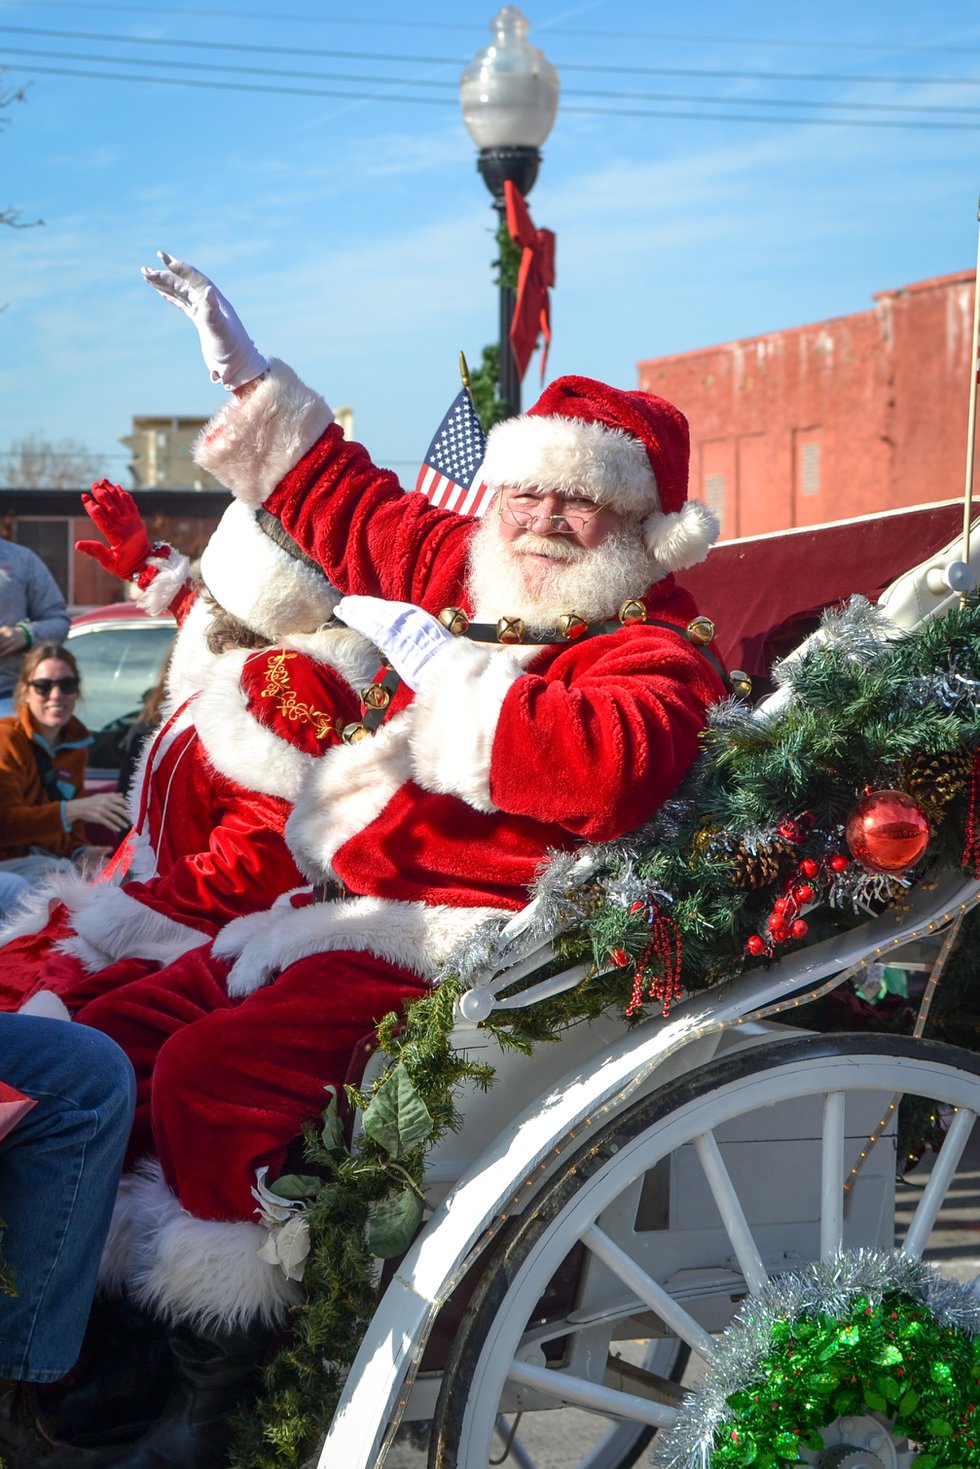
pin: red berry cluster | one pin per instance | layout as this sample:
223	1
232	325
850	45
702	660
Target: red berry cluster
785	923
662	952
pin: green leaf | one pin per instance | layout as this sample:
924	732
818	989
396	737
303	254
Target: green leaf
394	1225
908	1403
295	1186
889	1388
396	1117
875	1401
332	1133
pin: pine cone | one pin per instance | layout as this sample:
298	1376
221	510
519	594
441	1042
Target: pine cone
760	867
935	780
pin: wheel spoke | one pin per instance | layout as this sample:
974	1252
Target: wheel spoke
649	1291
579	1392
731	1211
935	1191
832	1176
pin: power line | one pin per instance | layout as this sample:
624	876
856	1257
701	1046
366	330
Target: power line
353	96
386	23
700	99
401	59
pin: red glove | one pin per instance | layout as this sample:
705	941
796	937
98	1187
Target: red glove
114	511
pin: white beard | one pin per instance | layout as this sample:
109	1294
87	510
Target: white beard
593	582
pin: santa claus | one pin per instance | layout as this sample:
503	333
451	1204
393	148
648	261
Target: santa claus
547	684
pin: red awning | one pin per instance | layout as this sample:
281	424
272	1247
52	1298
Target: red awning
766	593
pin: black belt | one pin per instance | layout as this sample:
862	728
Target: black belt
377	696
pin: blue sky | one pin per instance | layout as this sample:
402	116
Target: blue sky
354	235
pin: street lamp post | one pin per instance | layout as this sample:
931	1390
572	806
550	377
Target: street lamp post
509	96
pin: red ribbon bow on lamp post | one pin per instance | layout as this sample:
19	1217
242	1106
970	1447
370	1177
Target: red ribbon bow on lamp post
535	277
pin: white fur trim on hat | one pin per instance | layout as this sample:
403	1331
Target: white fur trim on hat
603	464
261	584
252	441
682	538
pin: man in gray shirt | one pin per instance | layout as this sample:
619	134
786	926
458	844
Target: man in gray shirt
32	610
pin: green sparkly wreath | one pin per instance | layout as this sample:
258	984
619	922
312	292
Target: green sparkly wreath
865	1334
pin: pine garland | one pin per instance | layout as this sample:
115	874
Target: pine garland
857	709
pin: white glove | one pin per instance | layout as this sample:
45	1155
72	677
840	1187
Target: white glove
230	354
408	637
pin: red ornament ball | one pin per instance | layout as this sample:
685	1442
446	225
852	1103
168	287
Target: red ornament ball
809	868
755	944
803	893
887	831
799	928
838	862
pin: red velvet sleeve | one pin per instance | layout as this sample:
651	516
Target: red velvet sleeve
245	867
368	535
598	749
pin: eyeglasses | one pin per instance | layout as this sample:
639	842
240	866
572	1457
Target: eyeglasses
570	521
43	686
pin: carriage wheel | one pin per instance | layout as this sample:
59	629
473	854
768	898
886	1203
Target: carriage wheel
672	1213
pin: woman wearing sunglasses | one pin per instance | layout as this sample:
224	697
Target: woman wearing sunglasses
43	755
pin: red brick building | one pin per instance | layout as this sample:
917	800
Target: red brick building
842	418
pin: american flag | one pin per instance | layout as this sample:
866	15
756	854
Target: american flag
450	473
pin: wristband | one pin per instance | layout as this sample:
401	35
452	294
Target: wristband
28	635
148	572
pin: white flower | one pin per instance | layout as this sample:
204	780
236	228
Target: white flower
288	1246
272	1209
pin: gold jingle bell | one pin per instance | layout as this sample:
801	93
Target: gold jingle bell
701	630
741	683
632	611
510	630
455	619
376	696
572	625
353	732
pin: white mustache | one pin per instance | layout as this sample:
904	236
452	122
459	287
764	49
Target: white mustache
531	544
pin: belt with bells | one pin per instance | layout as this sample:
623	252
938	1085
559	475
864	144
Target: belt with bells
571	628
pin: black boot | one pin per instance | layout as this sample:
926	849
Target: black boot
216	1372
24	1442
120	1384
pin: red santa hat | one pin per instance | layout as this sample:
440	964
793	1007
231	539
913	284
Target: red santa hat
258	574
627	450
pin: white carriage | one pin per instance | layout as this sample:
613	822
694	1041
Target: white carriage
610	1201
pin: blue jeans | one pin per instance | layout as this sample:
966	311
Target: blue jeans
59	1167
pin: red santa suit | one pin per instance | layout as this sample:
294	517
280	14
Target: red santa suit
213	789
434	823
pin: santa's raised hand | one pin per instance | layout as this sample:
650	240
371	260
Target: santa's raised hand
230	355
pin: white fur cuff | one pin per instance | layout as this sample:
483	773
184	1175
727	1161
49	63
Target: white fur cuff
196	1272
456	714
253	441
173	573
121	927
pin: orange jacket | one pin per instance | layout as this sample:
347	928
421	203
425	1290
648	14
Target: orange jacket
28	815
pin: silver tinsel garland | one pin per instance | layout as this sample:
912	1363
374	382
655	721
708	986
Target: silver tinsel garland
856	628
826	1286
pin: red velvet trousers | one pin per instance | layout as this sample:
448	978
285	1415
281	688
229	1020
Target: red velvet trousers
224	1086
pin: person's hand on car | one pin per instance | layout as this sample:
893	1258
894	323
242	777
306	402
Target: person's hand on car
109	808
